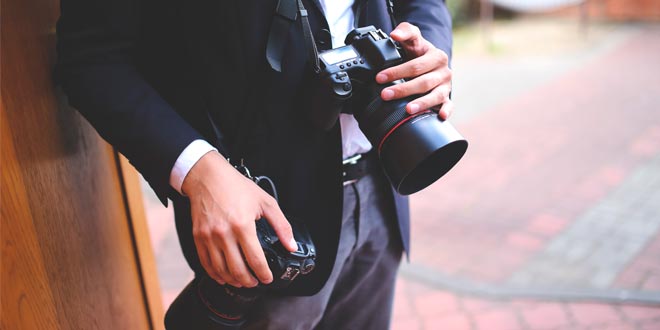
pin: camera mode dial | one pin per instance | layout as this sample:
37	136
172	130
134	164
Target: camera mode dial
341	84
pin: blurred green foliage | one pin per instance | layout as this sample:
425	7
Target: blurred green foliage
463	11
467	11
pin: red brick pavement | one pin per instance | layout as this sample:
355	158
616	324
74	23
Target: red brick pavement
419	307
644	271
534	164
537	162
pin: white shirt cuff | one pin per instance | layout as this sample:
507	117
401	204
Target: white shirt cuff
187	159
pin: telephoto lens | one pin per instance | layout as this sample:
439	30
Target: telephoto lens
414	150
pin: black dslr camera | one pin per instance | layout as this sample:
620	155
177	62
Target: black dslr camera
206	305
285	265
415	150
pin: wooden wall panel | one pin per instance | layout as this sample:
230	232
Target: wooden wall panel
140	228
29	303
70	256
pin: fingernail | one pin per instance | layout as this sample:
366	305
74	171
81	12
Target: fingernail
413	108
381	78
388	94
293	243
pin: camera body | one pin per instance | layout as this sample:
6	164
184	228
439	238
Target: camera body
414	150
367	52
285	265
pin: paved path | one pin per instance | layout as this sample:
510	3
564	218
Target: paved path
544	167
554	214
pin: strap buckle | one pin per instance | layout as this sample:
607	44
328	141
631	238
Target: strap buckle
352	160
346	183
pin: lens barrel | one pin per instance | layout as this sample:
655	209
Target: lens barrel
206	305
414	150
419	151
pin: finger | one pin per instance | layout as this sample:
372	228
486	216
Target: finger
201	238
410	37
436	97
209	241
411	69
205	260
419	85
446	110
217	264
254	255
416	67
220	266
237	267
271	211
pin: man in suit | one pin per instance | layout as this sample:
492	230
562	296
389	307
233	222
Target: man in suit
170	82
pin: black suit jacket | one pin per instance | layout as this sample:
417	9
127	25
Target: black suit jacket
148	74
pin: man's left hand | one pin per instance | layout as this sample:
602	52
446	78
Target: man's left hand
427	73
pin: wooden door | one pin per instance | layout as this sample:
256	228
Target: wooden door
75	250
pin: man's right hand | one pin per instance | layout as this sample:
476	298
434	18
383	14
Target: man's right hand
224	206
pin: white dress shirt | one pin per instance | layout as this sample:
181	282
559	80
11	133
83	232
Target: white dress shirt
340	17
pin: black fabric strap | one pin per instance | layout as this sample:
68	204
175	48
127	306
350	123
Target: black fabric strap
285	13
309	38
390	10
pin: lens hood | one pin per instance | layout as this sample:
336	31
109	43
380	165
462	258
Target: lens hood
419	150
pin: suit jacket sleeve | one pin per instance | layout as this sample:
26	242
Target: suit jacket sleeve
96	66
431	16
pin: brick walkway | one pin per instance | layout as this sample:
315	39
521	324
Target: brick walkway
559	193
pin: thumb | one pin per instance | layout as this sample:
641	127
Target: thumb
280	224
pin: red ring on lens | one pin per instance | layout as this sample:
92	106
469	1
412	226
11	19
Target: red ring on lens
380	145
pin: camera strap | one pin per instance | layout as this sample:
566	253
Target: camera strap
286	13
312	51
390	10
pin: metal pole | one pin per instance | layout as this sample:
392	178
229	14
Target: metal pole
486	16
